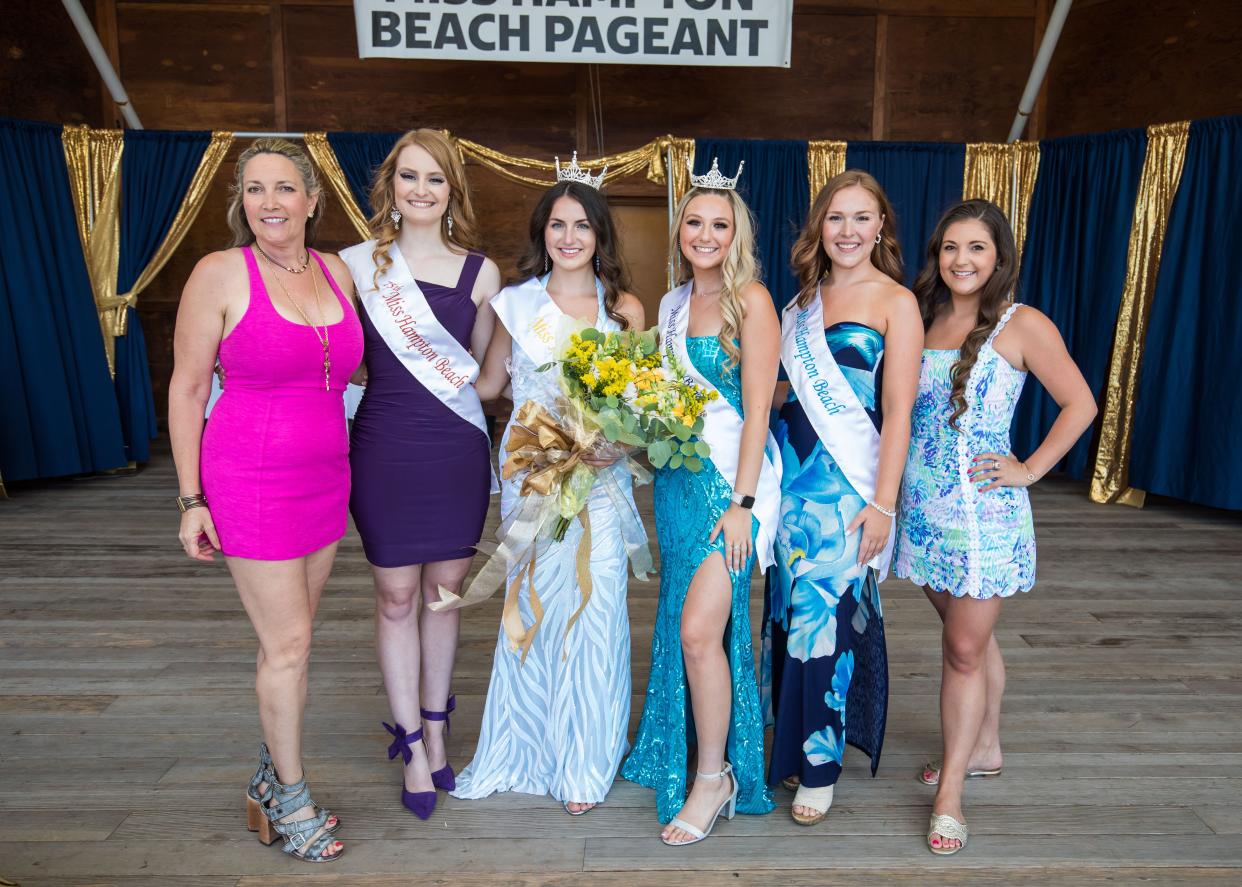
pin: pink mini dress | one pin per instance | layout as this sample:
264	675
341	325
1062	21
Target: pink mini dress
274	460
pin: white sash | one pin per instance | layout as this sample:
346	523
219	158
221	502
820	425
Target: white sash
400	314
834	410
722	425
531	317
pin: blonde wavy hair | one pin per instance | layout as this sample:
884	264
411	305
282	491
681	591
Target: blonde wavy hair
238	226
811	262
740	268
465	234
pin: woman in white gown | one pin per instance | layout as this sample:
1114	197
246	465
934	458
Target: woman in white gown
556	718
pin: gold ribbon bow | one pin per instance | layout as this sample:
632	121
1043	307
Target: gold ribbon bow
539	445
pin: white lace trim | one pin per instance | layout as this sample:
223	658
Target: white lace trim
970	493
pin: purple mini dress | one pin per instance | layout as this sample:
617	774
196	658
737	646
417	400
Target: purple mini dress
421	473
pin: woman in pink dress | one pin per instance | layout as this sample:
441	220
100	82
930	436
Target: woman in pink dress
267	482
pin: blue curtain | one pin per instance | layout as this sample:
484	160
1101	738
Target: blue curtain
58	412
774	185
922	180
1188	417
156	171
1074	265
359	153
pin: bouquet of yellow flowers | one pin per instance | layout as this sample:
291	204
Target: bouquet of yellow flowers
619	382
616	395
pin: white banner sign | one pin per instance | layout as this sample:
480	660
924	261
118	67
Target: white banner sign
649	32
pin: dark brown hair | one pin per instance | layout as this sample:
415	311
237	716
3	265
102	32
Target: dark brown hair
933	293
611	271
811	262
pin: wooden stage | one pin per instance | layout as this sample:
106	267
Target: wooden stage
128	726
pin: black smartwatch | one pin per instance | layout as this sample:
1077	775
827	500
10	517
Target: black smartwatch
744	501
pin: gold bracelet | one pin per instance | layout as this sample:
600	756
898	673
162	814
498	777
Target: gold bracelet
196	500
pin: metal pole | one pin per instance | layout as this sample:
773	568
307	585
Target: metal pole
91	40
668	174
1046	47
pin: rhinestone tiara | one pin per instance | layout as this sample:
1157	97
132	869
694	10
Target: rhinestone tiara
713	179
575	173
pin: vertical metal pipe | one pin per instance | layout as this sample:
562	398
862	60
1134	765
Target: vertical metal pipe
91	40
668	175
1040	68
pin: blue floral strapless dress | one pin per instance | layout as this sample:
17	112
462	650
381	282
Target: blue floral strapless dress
687	506
825	662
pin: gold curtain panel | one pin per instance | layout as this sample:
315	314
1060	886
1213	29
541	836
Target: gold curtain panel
1005	175
824	159
93	157
1162	172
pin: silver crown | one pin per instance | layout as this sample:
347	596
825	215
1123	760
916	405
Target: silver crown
714	179
575	173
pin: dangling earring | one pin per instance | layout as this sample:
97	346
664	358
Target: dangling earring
311	214
597	263
547	262
879	237
448	221
395	215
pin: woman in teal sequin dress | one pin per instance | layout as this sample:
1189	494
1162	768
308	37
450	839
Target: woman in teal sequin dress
701	690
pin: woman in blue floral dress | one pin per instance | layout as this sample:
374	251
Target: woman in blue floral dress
719	328
825	660
965	531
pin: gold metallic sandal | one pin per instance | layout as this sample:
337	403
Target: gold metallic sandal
947	827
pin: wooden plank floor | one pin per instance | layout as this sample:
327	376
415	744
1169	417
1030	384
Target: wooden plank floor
128	723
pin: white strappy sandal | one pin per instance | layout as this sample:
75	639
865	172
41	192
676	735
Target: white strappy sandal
728	808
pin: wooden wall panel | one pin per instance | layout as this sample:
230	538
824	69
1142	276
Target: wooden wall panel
525	108
45	73
198	65
1122	64
955	78
825	94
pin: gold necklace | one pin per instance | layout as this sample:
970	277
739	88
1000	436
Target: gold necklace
301	270
323	340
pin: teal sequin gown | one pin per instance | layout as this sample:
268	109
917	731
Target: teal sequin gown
687	506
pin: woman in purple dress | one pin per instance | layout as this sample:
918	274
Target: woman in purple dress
420	453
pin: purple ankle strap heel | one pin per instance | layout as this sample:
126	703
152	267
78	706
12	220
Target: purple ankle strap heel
421	804
443	778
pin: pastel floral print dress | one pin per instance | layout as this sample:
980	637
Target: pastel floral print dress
951	537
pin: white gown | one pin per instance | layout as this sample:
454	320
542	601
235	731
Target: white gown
556	724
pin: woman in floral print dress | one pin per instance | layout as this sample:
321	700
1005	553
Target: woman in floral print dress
965	531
